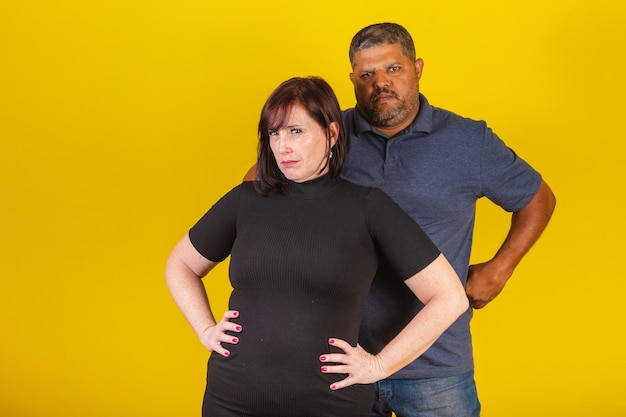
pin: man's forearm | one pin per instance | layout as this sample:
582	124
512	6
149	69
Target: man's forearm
527	225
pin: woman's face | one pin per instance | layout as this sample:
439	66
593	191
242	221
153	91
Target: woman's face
300	147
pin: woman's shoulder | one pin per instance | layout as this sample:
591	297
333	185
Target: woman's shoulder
364	190
367	197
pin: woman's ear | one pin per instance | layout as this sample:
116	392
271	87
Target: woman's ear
333	130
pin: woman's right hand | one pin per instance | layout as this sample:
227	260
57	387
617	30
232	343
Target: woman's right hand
213	337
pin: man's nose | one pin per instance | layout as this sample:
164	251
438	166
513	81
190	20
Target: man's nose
381	79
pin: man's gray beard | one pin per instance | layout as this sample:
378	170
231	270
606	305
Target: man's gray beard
389	118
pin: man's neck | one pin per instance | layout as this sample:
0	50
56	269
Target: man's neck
391	131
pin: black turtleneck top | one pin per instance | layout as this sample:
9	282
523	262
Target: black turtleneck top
301	265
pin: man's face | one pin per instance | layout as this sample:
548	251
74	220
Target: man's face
386	86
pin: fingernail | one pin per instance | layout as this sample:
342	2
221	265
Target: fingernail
322	358
235	340
324	369
235	313
333	387
227	353
331	341
238	328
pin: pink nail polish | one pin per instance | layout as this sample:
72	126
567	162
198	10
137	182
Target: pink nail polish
238	328
227	353
235	313
333	387
324	369
235	340
322	358
331	341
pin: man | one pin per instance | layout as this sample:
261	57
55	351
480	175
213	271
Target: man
435	165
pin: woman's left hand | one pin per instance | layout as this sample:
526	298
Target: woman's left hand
361	366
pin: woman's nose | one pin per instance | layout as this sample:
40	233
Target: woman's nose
283	145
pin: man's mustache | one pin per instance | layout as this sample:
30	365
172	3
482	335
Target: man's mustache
377	94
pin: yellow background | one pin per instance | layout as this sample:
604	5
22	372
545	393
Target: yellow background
121	122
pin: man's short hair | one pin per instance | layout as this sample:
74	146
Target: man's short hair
380	34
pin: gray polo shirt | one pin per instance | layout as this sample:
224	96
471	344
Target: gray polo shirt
435	170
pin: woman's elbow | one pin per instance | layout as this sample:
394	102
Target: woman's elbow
463	304
460	302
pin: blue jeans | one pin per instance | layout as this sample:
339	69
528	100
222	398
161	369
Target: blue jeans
436	397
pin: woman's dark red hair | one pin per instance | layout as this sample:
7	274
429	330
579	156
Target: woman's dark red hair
317	97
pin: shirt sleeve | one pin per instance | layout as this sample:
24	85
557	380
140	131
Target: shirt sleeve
506	179
401	240
214	234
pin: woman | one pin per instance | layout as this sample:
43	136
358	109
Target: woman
304	247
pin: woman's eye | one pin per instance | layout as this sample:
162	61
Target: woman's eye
272	133
295	131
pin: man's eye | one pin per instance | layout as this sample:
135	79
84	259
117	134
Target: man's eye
394	69
366	75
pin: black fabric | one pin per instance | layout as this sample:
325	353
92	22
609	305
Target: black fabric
301	266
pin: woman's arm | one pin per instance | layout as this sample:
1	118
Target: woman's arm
440	289
184	272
